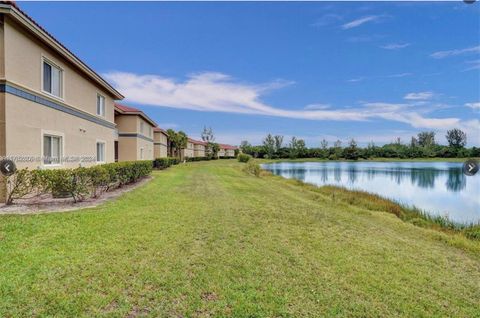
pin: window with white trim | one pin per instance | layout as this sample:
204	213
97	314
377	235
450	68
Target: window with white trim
142	128
100	105
100	151
52	79
141	153
52	149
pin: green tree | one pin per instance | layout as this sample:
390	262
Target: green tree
207	135
269	145
426	139
278	143
456	138
324	148
351	152
177	142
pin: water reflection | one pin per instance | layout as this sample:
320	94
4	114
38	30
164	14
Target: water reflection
437	186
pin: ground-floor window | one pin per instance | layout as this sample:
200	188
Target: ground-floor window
100	151
141	153
52	149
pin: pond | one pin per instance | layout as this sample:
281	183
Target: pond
439	188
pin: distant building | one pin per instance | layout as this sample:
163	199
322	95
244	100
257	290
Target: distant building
160	143
135	134
227	150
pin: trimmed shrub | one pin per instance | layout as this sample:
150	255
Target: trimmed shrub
77	183
243	157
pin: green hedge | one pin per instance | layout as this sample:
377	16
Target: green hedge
189	159
163	163
77	183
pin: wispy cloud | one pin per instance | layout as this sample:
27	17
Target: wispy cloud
395	46
399	75
360	21
444	54
327	19
363	78
419	96
318	106
356	79
216	92
473	105
474	65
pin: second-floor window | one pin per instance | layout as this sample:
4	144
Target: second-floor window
100	105
52	79
142	128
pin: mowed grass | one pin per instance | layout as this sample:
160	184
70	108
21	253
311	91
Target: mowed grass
205	239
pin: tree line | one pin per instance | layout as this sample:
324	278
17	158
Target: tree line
178	141
423	145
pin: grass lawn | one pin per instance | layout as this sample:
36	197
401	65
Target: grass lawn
205	239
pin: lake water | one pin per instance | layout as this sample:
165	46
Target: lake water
438	188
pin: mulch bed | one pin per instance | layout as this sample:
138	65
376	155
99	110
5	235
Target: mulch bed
46	203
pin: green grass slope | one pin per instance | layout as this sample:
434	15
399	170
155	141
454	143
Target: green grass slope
205	239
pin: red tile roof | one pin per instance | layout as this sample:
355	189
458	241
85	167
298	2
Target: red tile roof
227	147
102	81
127	110
197	142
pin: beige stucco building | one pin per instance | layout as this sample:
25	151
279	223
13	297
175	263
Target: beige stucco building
199	148
55	111
135	134
160	143
226	150
188	152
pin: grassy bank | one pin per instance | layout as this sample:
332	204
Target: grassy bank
205	239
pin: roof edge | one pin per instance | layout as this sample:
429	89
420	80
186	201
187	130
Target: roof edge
18	15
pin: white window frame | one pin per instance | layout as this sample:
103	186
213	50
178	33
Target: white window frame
62	147
44	59
102	111
142	127
98	141
142	153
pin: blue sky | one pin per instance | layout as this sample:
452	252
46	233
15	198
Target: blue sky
372	71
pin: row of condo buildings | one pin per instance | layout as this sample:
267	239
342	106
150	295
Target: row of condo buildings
56	111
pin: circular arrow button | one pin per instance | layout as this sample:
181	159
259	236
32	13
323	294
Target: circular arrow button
470	167
7	167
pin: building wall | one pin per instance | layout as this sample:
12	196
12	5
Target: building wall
160	148
131	140
199	151
230	153
188	152
23	66
27	121
29	112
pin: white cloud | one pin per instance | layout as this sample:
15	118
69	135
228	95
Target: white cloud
213	92
474	65
395	46
473	105
444	54
216	92
359	22
399	75
357	79
419	96
168	125
317	106
326	19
